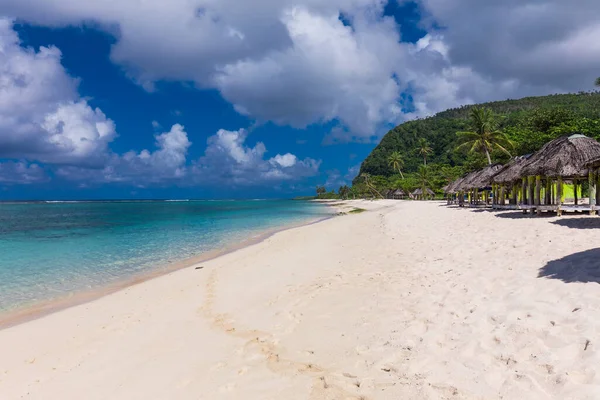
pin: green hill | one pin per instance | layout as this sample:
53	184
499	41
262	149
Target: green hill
529	123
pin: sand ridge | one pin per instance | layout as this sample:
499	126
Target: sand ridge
410	300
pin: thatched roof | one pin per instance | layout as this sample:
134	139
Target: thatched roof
512	170
484	178
478	179
462	183
453	187
419	192
567	156
398	192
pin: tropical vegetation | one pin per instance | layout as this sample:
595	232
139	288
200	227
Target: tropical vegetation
459	140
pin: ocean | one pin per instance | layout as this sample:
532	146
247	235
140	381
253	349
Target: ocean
51	250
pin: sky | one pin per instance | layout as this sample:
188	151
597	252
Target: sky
107	99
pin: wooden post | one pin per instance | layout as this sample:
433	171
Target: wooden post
548	192
597	174
559	190
515	189
524	191
592	181
538	189
530	190
575	191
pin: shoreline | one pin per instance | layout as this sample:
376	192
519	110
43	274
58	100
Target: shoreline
47	307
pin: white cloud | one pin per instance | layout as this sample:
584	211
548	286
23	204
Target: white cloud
166	164
295	63
287	160
42	117
21	173
292	62
229	160
329	72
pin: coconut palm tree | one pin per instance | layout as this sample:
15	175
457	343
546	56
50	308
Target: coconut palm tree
598	81
344	191
367	178
424	179
396	162
424	149
484	136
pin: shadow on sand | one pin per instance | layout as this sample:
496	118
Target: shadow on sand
579	223
578	267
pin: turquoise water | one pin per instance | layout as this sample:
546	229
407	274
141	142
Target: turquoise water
51	250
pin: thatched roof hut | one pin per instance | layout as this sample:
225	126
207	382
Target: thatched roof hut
454	187
567	157
484	178
398	192
479	179
419	192
462	183
511	171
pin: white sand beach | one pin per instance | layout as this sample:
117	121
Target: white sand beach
409	300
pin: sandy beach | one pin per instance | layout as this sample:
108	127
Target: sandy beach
409	300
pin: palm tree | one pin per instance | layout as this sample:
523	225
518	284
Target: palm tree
597	81
396	162
424	149
484	136
343	191
321	191
367	178
423	179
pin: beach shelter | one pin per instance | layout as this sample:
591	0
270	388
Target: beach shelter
508	180
570	157
477	183
398	194
421	194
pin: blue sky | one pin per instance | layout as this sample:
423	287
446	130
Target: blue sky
125	103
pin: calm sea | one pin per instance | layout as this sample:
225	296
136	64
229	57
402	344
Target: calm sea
50	250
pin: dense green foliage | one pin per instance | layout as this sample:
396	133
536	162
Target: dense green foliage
528	123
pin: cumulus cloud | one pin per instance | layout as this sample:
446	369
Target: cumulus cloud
21	173
296	63
291	62
539	42
229	160
165	164
42	117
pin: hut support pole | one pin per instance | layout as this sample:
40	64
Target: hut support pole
575	191
548	192
592	181
538	192
515	189
597	173
559	190
524	192
530	191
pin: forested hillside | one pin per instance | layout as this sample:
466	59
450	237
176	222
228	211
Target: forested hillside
529	123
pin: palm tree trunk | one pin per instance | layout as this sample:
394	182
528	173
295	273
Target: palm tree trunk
401	175
487	154
425	160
